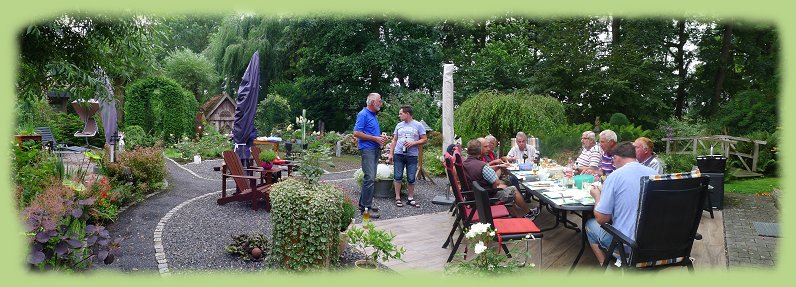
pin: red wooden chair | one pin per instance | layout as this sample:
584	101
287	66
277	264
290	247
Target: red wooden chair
466	213
505	228
249	189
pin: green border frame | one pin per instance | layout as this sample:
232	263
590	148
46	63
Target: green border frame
15	16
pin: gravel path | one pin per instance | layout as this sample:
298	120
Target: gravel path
195	230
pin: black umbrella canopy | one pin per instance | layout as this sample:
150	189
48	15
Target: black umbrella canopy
248	92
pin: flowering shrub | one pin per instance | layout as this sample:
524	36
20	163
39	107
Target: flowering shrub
487	261
144	167
348	144
106	207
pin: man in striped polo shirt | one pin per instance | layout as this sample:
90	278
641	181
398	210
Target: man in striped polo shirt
607	144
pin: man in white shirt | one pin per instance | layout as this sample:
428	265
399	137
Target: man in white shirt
522	152
645	156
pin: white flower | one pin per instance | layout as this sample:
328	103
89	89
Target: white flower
492	233
469	234
479	247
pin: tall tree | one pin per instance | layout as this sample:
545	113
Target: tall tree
65	53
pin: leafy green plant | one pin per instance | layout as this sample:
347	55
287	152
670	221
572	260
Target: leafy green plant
306	224
311	161
674	163
488	262
378	241
243	244
32	169
267	155
432	162
349	211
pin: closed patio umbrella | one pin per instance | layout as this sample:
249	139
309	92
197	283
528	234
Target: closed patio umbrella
246	108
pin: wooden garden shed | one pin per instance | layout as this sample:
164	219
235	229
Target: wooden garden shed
220	112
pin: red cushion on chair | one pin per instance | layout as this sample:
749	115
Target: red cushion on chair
515	226
498	211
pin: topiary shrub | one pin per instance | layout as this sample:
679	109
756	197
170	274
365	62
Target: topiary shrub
618	119
562	138
627	132
434	139
306	224
135	136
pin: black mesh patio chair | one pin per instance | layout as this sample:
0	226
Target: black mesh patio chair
48	139
670	209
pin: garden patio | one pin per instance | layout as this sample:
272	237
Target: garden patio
193	230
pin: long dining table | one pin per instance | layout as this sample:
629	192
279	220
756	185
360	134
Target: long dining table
559	202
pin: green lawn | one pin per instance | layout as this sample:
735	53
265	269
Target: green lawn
752	186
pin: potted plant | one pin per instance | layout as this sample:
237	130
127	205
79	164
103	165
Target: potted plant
379	241
267	157
26	132
346	220
488	260
383	185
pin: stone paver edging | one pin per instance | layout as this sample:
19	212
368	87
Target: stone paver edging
160	254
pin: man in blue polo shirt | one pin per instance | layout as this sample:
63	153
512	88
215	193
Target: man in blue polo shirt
617	201
370	142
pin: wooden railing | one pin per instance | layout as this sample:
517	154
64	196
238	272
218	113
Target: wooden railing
727	147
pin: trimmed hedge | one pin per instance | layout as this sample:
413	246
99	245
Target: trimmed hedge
161	107
306	224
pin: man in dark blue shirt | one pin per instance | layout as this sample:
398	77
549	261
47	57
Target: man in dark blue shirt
370	141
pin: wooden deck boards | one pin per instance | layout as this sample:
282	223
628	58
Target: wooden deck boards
422	236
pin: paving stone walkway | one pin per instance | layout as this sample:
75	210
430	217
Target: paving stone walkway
745	249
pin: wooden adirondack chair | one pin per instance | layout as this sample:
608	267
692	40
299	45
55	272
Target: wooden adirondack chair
249	189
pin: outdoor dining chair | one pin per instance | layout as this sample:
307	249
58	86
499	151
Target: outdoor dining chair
466	214
506	229
670	209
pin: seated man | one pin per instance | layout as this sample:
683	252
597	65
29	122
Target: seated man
523	152
618	199
478	171
607	143
488	157
590	153
645	156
